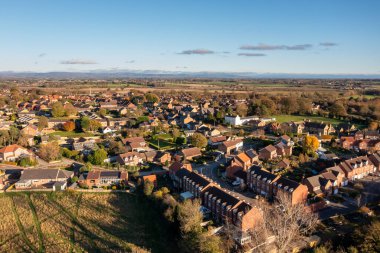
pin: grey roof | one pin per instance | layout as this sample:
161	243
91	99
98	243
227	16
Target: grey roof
38	174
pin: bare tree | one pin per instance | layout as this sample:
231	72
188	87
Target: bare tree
287	222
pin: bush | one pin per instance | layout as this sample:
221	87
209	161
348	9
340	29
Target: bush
26	162
74	179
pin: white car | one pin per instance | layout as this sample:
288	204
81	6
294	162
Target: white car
236	183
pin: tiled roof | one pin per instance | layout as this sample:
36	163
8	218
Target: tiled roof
191	151
36	174
10	148
223	196
198	179
269	148
256	170
287	182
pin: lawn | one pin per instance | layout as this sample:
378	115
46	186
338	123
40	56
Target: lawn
167	137
82	222
72	134
287	118
161	144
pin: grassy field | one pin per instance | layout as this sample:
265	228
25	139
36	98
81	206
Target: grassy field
363	96
82	222
72	134
287	118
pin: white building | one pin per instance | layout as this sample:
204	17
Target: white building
238	121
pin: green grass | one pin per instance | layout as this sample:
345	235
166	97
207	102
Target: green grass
163	145
166	137
72	134
363	96
287	118
83	222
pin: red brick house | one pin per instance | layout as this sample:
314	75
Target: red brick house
375	159
319	185
224	207
228	147
357	168
268	153
340	175
269	185
261	181
101	178
296	192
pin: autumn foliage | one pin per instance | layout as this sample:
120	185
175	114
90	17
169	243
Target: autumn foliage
69	126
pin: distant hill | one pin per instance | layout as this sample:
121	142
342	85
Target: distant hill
109	74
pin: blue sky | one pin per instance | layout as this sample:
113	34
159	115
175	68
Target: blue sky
265	36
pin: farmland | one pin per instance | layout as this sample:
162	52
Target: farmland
81	222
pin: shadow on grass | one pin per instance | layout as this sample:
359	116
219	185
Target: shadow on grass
141	224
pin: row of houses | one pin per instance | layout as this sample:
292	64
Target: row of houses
223	205
331	179
269	185
366	141
58	179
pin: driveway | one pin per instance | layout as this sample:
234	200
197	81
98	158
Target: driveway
336	209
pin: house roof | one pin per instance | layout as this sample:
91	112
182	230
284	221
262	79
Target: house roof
176	166
287	182
269	148
110	174
232	143
284	163
251	153
223	196
336	170
34	174
375	158
182	173
258	171
243	157
191	151
218	139
198	179
151	178
133	139
132	153
11	148
349	165
329	175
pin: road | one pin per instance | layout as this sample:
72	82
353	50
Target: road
210	170
370	193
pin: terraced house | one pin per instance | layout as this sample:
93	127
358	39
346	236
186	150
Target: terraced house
224	207
269	185
357	168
